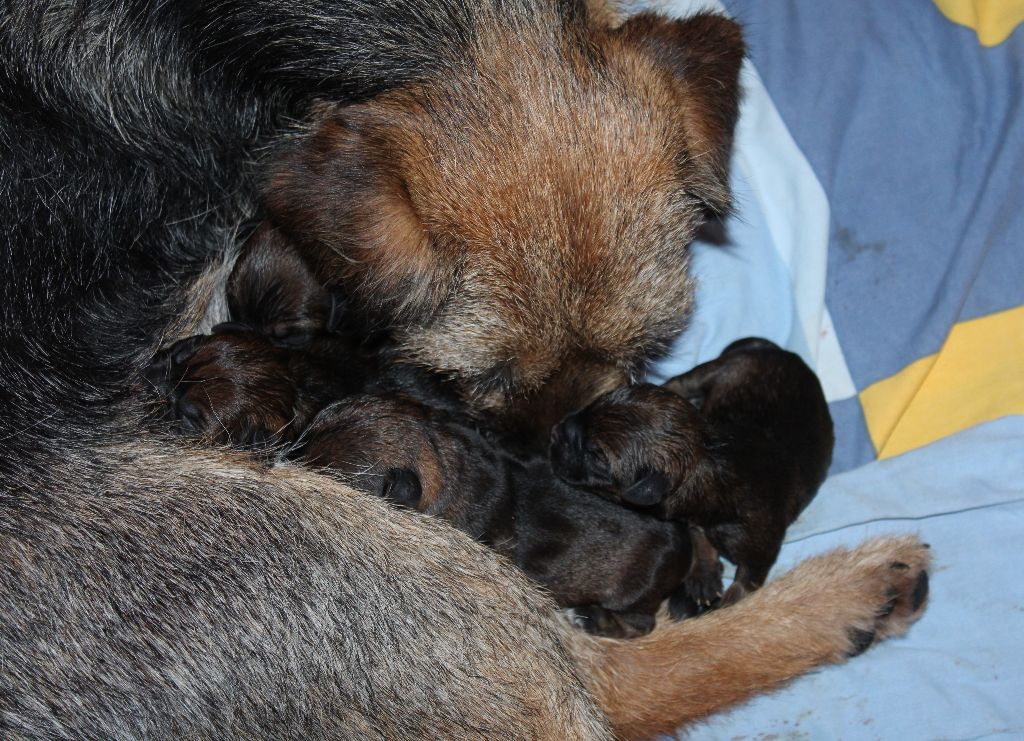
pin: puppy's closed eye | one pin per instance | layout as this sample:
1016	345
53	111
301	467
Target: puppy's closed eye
651	489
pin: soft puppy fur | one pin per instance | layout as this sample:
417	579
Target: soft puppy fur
258	380
236	387
612	565
272	291
737	446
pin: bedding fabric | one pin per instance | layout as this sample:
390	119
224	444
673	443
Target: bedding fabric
879	232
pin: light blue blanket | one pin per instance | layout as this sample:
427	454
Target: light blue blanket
879	232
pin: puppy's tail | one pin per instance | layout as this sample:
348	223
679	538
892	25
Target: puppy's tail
825	610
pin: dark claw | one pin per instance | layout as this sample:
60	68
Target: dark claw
920	592
860	640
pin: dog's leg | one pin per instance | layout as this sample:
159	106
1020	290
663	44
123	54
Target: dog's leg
823	611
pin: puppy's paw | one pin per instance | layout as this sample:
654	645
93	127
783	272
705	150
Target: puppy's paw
701	590
164	373
848	600
166	385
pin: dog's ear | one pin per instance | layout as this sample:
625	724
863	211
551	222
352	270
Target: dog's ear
402	486
338	191
651	489
704	54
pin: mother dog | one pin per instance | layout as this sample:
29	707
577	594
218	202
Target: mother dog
505	186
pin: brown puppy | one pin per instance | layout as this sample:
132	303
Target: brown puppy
236	387
737	446
258	379
612	565
520	219
273	292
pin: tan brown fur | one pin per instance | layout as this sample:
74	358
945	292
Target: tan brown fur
520	223
370	435
155	589
823	611
795	623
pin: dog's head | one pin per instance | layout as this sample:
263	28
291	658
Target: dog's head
379	445
521	222
230	388
273	292
635	445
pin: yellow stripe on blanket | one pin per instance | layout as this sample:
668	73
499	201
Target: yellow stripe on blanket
992	20
977	376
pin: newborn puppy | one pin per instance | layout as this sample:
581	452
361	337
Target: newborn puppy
236	387
273	292
259	378
612	565
737	446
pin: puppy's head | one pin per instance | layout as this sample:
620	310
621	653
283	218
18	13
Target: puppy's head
379	445
635	445
273	291
231	389
521	221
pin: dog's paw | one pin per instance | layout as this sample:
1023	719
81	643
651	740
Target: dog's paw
894	574
849	599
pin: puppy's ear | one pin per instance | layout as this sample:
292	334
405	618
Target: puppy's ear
340	193
704	54
272	290
402	486
649	490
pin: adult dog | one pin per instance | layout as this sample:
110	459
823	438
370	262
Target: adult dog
149	589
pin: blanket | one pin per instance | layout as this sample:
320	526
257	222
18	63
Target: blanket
879	232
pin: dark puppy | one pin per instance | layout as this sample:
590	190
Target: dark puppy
258	380
613	565
236	387
272	291
738	446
